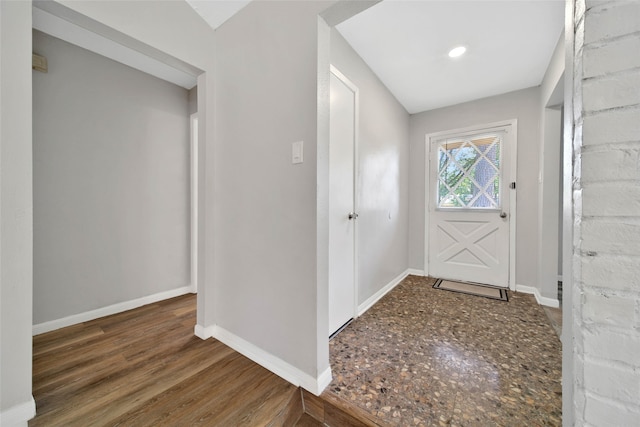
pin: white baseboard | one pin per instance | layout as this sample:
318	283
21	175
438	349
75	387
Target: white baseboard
276	365
415	272
382	292
52	325
324	379
549	302
203	332
18	415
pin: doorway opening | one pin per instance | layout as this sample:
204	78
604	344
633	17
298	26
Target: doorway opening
129	183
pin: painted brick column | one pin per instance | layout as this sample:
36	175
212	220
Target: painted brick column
606	255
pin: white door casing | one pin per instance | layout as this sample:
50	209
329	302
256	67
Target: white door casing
471	219
342	203
194	202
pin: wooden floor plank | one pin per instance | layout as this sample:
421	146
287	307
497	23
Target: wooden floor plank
75	334
98	367
172	404
130	383
144	367
262	397
139	390
119	318
307	420
217	406
96	349
290	415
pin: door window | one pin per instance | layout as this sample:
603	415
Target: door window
469	172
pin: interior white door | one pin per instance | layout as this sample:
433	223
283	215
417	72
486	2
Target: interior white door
469	207
342	222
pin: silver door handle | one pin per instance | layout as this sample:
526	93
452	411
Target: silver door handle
503	214
352	215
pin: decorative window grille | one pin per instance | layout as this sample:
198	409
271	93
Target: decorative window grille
469	172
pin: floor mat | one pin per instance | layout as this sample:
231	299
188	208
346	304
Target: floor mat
472	289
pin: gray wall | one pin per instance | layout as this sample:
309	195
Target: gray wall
383	174
266	216
16	403
111	183
523	105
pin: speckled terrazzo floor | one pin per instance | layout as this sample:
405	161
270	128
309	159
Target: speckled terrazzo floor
423	356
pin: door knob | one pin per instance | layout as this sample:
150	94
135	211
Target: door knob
352	215
503	214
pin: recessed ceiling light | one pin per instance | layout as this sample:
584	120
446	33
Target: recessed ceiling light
457	51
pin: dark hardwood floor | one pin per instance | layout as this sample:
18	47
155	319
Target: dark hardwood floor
145	367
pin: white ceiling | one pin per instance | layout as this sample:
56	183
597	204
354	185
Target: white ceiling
509	45
405	42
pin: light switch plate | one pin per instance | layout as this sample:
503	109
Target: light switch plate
297	149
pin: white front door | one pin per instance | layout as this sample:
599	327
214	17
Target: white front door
342	221
469	207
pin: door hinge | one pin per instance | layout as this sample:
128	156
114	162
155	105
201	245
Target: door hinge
39	63
512	185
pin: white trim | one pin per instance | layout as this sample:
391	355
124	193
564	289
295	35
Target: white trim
549	302
415	272
324	379
427	201
356	203
510	125
513	208
18	415
382	292
76	34
472	130
203	332
108	310
276	365
194	200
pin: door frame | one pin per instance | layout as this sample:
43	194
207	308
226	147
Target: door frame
193	142
511	124
356	138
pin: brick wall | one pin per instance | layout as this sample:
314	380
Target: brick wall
606	264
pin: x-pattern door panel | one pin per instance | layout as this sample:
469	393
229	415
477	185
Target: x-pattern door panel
469	250
479	244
